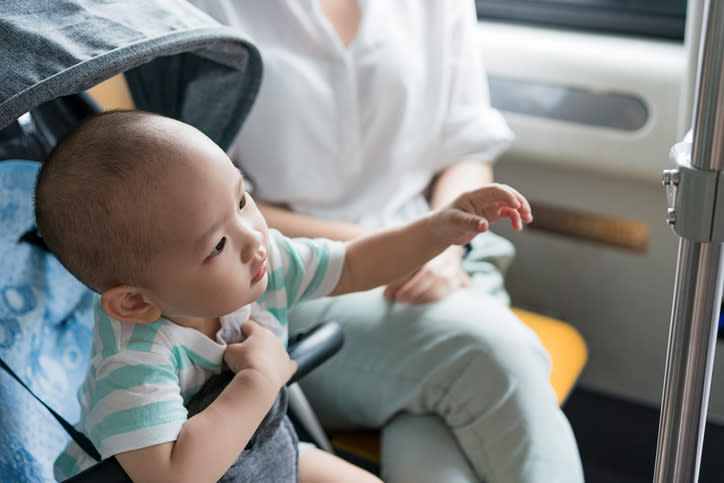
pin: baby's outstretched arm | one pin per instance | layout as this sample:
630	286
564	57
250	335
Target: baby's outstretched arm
481	207
389	254
210	441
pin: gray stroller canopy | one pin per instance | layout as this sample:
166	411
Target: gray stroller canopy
178	61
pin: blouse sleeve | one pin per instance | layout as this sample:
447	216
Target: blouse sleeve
473	130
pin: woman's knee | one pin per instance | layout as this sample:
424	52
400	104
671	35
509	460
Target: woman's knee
475	361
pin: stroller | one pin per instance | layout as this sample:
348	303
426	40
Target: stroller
178	62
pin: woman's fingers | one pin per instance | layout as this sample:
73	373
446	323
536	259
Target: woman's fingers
392	288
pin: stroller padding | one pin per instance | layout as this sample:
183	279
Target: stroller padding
45	334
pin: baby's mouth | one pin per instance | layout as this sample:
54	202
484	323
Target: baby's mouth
260	272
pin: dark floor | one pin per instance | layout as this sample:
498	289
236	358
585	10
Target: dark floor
617	440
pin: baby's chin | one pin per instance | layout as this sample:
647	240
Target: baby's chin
259	287
256	292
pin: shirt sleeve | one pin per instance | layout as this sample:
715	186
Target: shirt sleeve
311	267
136	403
473	130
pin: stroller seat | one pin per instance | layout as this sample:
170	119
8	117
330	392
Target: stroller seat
45	333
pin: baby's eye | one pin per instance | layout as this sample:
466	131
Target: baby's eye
242	202
218	248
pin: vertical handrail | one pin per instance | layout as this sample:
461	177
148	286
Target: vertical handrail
692	39
698	286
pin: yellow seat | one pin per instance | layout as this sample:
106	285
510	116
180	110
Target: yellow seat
566	347
112	94
563	342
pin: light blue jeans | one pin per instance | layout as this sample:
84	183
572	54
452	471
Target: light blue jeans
459	387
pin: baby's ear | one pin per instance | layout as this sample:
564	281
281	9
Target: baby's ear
129	304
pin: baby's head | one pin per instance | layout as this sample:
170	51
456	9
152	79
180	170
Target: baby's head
152	214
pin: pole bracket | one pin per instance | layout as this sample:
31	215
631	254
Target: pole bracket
692	201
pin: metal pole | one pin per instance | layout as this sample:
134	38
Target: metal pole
698	286
692	38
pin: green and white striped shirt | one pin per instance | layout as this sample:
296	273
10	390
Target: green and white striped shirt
141	376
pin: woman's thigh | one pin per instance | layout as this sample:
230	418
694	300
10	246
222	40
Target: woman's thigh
399	357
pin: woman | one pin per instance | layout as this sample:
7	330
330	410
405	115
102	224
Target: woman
370	113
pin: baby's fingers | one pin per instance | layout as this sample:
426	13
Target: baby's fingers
473	223
498	193
251	327
520	204
525	211
486	201
515	217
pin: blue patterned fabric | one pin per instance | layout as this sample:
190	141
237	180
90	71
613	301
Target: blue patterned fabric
45	334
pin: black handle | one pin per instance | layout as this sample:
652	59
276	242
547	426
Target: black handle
107	471
314	346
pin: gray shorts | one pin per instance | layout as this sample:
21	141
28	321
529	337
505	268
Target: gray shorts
272	453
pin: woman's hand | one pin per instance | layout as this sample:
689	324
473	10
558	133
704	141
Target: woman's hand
437	279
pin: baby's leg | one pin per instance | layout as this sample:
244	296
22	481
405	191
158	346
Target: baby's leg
317	466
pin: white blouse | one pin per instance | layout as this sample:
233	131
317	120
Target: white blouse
356	133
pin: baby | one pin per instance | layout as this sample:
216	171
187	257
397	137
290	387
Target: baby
152	215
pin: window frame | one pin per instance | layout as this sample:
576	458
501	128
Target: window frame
644	18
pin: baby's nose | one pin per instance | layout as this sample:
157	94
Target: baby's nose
251	242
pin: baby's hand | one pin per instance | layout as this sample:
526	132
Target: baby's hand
261	351
473	212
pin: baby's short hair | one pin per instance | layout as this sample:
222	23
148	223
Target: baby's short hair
89	197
